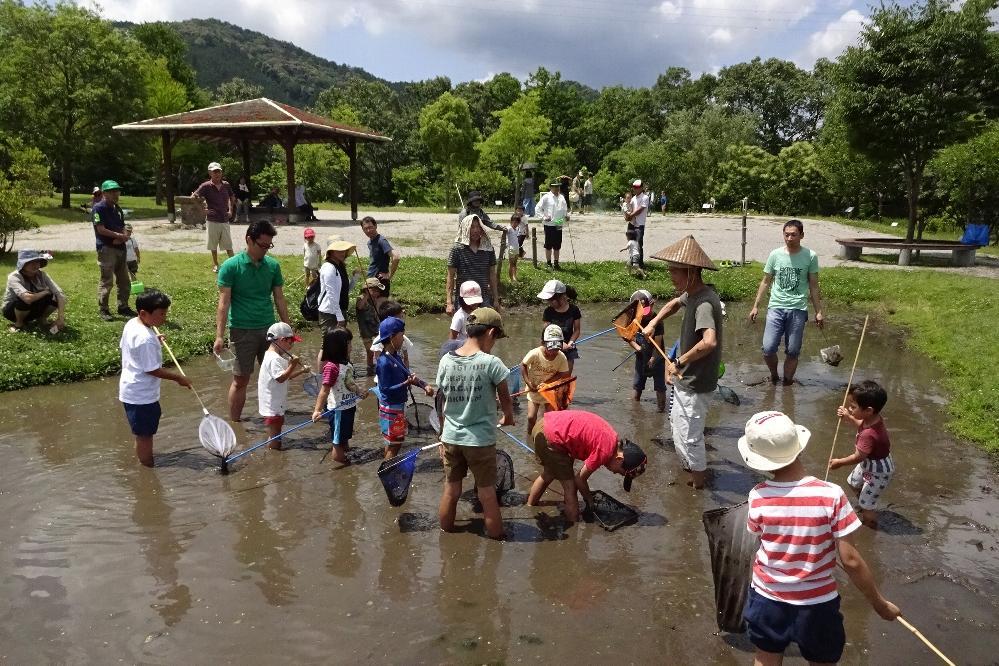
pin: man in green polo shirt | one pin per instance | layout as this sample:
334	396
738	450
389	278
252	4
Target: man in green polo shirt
247	284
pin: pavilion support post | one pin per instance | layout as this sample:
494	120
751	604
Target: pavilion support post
168	175
244	151
354	193
289	164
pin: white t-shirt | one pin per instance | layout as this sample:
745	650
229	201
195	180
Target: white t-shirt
272	396
634	251
131	245
513	236
588	187
329	293
312	254
407	344
141	354
458	323
640	200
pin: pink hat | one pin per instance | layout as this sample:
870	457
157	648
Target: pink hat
309	232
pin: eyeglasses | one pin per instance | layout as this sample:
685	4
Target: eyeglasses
263	246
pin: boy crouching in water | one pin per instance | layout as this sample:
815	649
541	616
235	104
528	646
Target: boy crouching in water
142	369
805	524
471	379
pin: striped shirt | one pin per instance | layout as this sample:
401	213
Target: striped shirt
798	523
475	266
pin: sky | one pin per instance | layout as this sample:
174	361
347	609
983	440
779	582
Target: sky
596	42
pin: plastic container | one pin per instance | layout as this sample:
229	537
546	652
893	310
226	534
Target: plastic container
226	360
137	288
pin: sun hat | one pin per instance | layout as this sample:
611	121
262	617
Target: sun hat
553	337
551	288
686	252
486	317
772	441
373	282
637	182
470	292
110	185
214	166
475	195
389	327
281	331
633	464
338	245
309	232
25	257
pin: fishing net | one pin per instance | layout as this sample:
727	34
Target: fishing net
610	513
396	476
732	548
558	393
628	322
418	416
217	436
311	385
504	472
513	380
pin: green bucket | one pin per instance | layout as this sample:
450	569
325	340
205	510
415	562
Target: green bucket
138	288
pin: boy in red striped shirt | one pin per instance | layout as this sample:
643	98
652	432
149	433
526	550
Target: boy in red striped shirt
803	525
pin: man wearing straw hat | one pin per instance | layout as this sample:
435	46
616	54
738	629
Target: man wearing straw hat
695	375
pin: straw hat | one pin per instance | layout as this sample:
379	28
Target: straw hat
686	252
340	245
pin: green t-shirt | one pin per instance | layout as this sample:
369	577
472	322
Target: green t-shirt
469	387
252	284
790	272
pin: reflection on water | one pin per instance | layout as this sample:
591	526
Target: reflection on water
293	558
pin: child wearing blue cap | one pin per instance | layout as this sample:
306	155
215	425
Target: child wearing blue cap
393	378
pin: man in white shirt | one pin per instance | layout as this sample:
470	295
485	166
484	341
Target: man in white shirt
636	218
588	193
554	212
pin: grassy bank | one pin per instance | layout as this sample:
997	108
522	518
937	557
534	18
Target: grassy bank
48	210
950	318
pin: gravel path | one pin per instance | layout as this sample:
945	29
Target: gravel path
595	237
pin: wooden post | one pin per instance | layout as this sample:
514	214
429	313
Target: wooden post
289	165
244	150
351	150
168	175
534	246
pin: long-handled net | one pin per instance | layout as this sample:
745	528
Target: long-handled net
732	549
558	393
215	434
396	474
628	324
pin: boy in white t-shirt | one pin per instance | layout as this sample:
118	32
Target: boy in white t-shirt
142	369
634	253
513	233
272	384
132	256
470	295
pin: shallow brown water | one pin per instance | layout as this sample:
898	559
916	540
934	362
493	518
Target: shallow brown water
289	560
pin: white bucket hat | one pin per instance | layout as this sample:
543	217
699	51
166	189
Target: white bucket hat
772	441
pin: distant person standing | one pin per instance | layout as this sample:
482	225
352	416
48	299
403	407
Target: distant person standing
588	193
554	211
383	259
111	234
664	202
473	206
577	191
527	191
792	275
636	215
220	204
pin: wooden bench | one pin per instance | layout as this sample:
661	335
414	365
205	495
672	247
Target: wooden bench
961	254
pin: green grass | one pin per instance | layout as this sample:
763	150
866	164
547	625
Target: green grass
948	317
49	212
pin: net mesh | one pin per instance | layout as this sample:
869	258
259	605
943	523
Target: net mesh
628	322
513	379
504	472
311	385
610	513
559	393
418	416
217	436
396	475
732	548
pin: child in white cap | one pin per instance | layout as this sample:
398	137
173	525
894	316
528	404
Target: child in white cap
804	524
272	383
543	364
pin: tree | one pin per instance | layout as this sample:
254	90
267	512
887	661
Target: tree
522	135
161	41
446	129
83	81
23	179
747	172
967	177
237	89
485	98
799	185
560	162
164	96
921	78
560	101
618	114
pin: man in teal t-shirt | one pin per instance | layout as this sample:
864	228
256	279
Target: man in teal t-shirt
248	282
792	275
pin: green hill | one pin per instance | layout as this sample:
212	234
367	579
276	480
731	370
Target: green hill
219	51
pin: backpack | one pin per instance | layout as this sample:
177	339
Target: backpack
309	307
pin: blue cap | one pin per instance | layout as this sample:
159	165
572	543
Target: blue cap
389	327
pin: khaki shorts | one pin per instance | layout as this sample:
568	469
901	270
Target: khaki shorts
218	236
557	463
248	345
480	459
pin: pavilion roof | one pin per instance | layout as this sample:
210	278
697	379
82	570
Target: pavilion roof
259	119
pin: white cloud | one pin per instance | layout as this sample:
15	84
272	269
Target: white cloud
720	35
671	11
831	41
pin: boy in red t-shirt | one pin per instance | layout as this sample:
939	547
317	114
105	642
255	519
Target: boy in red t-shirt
872	457
560	438
803	525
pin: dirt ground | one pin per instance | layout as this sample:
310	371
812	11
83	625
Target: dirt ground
594	237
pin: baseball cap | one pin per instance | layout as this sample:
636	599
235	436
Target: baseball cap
633	464
553	337
551	288
487	317
389	327
637	182
281	331
214	166
772	441
309	232
96	190
470	292
373	282
109	185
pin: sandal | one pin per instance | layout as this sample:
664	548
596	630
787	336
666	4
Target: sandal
15	329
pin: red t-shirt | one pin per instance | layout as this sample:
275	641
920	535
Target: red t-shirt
873	440
583	435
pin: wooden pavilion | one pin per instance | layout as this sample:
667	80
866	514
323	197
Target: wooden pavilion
256	121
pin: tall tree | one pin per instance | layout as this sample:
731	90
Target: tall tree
160	40
521	137
237	89
446	129
922	77
164	95
83	81
560	101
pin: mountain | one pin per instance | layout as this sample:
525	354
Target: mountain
219	51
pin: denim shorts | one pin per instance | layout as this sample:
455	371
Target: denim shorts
143	419
816	628
786	325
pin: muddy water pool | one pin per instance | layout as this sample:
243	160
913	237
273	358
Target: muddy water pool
289	559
